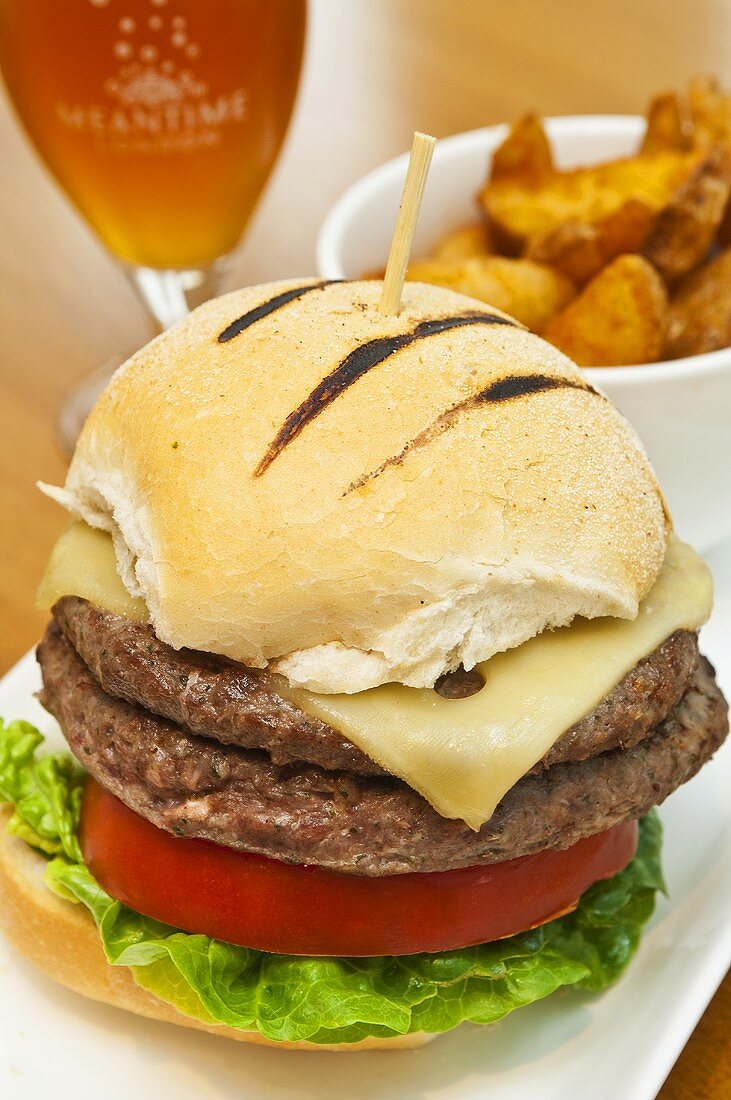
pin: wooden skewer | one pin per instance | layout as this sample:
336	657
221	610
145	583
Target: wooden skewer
408	215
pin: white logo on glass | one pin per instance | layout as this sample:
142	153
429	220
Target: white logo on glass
156	101
150	88
145	83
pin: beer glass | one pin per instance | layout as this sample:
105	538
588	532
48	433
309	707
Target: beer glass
161	120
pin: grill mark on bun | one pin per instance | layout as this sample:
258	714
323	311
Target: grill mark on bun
509	388
266	308
357	363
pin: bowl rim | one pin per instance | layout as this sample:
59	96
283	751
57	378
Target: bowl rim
341	213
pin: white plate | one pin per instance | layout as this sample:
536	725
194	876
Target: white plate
622	1044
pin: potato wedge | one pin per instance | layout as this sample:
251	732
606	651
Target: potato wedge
669	125
530	292
464	242
619	318
695	118
684	231
710	110
723	237
525	156
521	212
580	250
700	311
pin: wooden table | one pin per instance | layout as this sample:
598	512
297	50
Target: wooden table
376	70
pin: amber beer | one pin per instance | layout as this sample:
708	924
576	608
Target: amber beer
160	118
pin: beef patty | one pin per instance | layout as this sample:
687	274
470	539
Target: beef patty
369	825
237	705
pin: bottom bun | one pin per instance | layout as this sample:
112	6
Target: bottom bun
61	939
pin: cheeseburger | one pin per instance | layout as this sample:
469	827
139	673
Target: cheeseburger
374	648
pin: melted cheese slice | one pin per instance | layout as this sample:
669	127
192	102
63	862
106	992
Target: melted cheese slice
83	563
462	755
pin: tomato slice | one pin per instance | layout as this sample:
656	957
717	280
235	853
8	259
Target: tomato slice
261	903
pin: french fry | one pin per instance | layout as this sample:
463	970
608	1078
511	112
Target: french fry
621	231
525	156
530	292
700	311
523	162
464	242
669	125
619	318
521	212
710	111
723	237
580	250
683	232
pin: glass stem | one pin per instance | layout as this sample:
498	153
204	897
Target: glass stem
169	295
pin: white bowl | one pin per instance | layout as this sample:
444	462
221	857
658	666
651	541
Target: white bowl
681	408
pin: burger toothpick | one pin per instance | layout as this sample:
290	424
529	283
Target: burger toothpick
422	150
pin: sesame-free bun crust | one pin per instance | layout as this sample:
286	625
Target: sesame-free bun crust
61	939
417	514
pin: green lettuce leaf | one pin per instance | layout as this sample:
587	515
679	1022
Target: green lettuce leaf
45	790
327	1000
